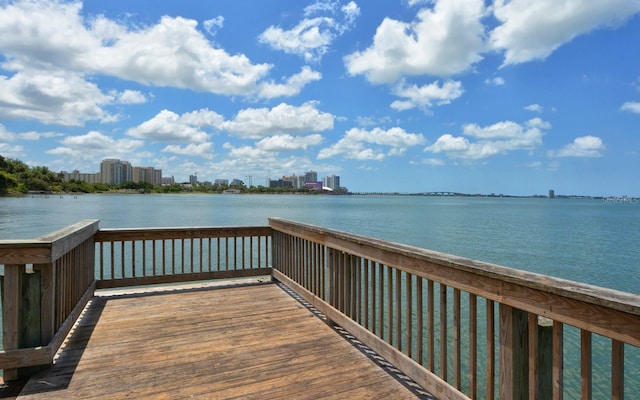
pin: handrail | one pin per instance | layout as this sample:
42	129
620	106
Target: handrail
144	256
40	307
379	285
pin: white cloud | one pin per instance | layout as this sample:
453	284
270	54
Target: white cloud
53	97
52	35
7	136
584	146
426	96
95	145
289	142
537	108
292	86
311	38
499	138
212	25
130	97
631	106
256	123
362	144
204	150
434	162
497	81
532	30
442	41
168	126
9	151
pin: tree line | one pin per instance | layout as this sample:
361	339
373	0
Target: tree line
16	177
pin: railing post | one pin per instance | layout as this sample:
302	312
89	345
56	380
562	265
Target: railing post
11	288
514	363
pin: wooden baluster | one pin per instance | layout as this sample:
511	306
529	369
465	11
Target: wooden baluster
457	359
473	346
586	363
443	332
491	351
617	370
431	330
558	360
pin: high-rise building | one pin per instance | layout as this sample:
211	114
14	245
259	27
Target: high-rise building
332	181
310	177
114	171
222	182
147	174
552	193
193	179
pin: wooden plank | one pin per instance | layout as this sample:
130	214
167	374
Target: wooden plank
242	342
430	381
177	278
165	233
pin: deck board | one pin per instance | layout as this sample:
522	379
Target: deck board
251	341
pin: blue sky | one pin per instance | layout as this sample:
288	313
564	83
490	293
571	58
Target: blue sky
514	97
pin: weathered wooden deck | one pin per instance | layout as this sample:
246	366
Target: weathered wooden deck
249	341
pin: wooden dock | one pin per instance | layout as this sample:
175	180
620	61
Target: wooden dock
247	341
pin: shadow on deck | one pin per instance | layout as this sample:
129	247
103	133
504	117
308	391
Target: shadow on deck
240	341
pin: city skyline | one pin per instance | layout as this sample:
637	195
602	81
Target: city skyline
469	96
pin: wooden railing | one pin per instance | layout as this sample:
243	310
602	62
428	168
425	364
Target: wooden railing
131	257
461	328
47	282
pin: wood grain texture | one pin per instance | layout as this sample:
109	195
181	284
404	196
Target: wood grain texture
233	342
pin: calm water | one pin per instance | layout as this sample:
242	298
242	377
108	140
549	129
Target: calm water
583	240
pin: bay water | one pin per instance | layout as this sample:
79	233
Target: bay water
586	240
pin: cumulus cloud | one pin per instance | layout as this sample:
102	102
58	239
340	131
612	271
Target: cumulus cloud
204	150
289	142
375	144
584	146
130	97
499	138
95	145
444	40
532	30
291	87
312	37
256	123
52	51
168	126
424	97
58	97
631	106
